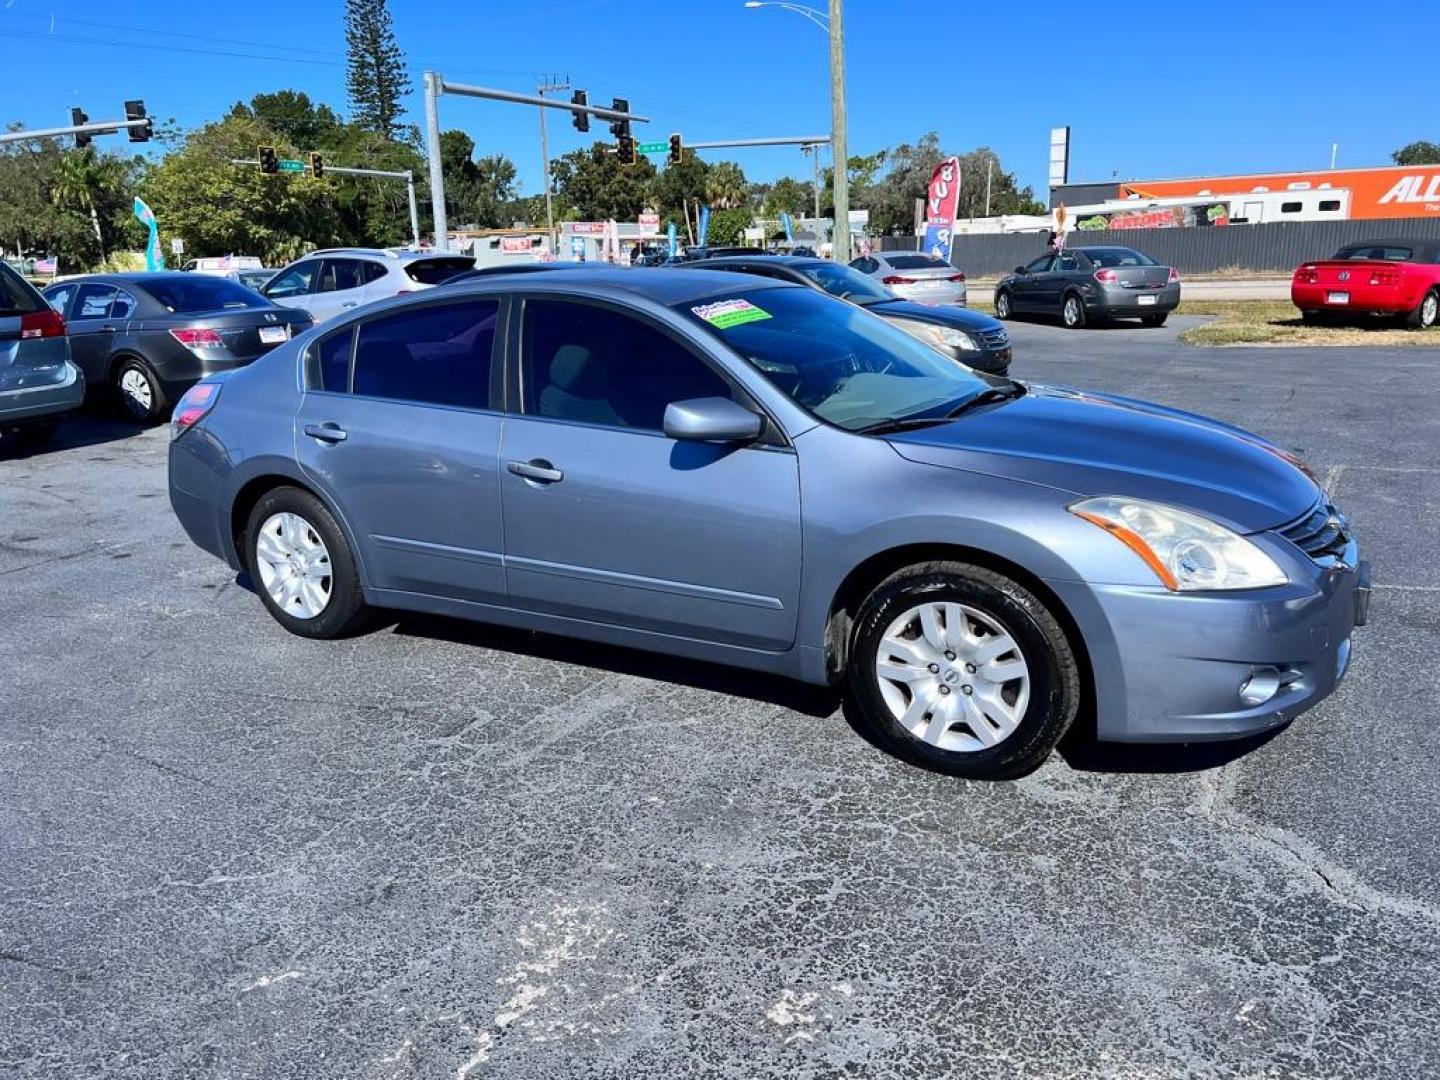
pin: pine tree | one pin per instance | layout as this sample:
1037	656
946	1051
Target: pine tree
375	78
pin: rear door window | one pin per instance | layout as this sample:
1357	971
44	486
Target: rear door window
437	271
1067	264
435	354
330	364
93	302
339	275
124	305
370	271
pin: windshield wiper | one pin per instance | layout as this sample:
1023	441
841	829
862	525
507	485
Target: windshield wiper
885	427
989	396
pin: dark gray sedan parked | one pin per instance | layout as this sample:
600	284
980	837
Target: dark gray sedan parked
969	337
1083	283
150	337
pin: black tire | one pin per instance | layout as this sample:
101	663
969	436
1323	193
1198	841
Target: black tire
145	405
1002	305
346	612
1054	692
1426	313
1154	320
1072	311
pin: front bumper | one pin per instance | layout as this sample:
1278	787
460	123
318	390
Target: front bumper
1172	667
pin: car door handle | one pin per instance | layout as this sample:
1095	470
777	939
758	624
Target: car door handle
349	303
107	328
537	469
327	432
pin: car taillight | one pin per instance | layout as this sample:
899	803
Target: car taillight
1385	277
1174	276
1307	275
198	401
896	279
956	277
198	339
41	324
1106	275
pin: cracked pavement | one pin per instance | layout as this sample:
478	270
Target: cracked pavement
450	850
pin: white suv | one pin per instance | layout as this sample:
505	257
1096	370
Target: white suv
326	283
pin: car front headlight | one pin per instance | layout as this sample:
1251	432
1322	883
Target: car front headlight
943	337
1188	553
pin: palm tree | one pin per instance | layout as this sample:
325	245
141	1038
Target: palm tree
79	176
725	186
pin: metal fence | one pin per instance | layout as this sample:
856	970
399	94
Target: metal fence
1274	248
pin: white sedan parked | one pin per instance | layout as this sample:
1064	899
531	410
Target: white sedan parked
913	275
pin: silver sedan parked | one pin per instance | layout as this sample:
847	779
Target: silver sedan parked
914	275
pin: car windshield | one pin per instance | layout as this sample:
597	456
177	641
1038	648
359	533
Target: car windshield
196	292
1118	257
1376	252
846	283
844	365
916	262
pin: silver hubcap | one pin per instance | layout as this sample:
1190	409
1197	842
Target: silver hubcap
1429	311
953	677
1072	312
1002	306
294	565
136	388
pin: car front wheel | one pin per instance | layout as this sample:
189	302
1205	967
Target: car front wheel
1002	305
963	670
302	566
1426	313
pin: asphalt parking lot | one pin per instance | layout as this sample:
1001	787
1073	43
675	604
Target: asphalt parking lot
445	850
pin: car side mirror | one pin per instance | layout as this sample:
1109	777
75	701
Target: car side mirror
1021	270
711	419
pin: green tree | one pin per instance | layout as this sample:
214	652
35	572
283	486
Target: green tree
307	124
679	188
725	186
80	177
475	191
1418	153
728	226
789	196
891	199
375	74
599	187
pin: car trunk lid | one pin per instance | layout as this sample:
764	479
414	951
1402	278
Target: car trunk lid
246	334
33	349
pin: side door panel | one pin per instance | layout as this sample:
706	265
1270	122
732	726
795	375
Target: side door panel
91	332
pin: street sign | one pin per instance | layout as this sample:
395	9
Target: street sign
177	246
653	148
288	165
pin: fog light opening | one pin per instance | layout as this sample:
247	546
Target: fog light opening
1262	685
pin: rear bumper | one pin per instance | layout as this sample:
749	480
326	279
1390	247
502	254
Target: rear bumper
1171	667
30	403
953	293
178	373
1361	298
1121	303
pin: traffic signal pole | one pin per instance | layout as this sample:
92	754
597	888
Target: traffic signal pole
339	170
103	127
435	85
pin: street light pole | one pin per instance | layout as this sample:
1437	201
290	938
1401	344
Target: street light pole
838	142
432	147
545	151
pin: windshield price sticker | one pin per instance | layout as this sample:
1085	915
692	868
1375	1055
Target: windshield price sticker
727	313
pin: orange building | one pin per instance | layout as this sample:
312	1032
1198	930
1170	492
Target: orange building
1395	191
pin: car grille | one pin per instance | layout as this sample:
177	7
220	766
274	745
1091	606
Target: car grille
995	339
1323	533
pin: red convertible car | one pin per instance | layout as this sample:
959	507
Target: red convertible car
1374	277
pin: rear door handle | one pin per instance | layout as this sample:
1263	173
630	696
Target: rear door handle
327	432
537	469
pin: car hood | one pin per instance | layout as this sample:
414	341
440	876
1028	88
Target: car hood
1099	444
941	314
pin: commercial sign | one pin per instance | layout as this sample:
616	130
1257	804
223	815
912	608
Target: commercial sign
941	206
587	228
515	245
649	224
1393	191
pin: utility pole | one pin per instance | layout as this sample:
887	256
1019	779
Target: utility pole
545	152
433	85
838	143
989	171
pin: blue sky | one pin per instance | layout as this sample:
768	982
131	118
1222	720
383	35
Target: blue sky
1177	89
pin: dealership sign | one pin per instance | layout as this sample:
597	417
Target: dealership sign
649	224
515	245
941	206
587	228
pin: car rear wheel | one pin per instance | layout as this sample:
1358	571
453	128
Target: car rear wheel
1002	305
138	391
1426	313
1153	320
963	670
302	567
1072	312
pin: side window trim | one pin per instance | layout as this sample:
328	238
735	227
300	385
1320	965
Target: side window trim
772	436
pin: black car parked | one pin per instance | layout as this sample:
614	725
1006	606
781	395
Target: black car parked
150	337
973	339
1081	284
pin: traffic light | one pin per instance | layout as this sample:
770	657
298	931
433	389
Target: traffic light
269	163
78	117
625	147
317	166
677	149
620	128
581	120
135	110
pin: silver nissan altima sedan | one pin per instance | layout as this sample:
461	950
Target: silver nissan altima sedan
757	474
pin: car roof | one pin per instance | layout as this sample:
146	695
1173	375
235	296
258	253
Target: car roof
660	284
397	254
138	277
719	262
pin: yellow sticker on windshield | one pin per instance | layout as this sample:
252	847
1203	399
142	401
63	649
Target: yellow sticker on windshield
727	313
